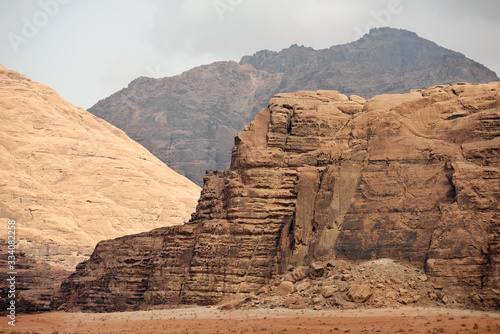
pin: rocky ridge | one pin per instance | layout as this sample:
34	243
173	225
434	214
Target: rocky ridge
70	179
319	176
189	121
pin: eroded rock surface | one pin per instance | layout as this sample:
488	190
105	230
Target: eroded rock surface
70	179
413	177
189	121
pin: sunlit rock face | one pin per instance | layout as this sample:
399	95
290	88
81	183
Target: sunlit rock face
69	180
319	175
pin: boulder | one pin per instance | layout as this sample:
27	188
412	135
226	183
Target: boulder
316	269
285	288
358	293
300	273
303	286
329	291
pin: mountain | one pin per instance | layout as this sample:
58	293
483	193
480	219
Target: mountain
319	184
70	179
189	121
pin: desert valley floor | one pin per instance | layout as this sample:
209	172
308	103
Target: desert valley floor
204	320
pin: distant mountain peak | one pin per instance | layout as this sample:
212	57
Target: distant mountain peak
189	121
394	49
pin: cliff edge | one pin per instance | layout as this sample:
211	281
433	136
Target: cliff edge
319	177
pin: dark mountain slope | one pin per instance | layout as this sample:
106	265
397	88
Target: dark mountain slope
189	121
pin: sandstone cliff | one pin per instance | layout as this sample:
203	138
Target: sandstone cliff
70	179
189	121
317	176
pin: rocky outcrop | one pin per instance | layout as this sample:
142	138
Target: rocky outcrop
413	177
36	283
189	121
70	179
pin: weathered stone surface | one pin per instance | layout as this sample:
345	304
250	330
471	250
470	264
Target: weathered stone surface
303	286
358	293
233	304
299	273
189	121
69	180
36	283
285	288
401	179
316	269
289	301
329	291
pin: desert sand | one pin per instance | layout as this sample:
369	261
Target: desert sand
211	320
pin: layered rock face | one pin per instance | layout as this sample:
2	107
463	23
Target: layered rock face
413	177
189	121
70	179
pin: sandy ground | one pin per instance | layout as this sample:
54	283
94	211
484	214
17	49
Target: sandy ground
210	320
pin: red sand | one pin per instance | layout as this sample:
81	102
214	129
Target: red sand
204	320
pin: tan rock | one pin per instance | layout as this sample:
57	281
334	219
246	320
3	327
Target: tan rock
70	179
316	269
390	101
475	298
408	299
395	281
316	300
299	273
358	99
299	306
289	301
263	290
233	304
73	179
329	291
391	294
393	181
333	94
285	288
301	303
433	296
346	277
358	293
303	286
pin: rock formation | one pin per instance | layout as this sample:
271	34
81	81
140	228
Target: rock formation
317	176
70	179
189	121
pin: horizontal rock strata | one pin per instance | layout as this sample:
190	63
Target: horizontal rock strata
413	177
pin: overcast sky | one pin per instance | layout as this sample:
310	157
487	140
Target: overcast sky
89	49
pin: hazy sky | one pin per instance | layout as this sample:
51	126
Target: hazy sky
89	49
